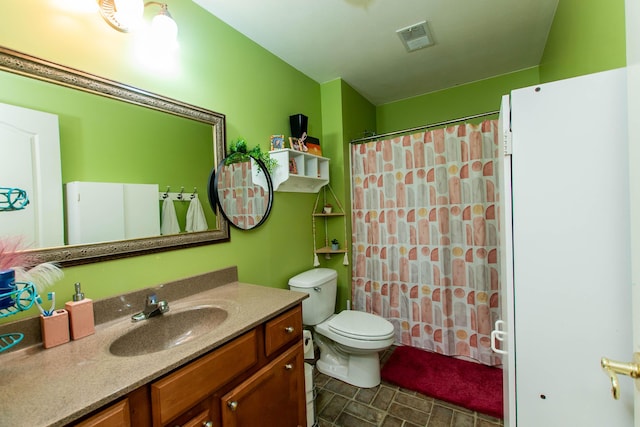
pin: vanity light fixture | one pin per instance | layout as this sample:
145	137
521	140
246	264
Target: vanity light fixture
123	15
163	26
126	15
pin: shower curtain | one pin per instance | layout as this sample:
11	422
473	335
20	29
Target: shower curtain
425	237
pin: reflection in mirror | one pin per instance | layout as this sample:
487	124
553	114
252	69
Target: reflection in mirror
241	187
113	133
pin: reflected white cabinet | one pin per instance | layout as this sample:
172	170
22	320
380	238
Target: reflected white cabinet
106	211
298	171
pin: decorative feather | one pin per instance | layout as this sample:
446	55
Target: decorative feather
42	275
316	262
26	265
346	259
12	255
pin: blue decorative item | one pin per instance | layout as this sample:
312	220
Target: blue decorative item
13	199
9	340
14	298
7	288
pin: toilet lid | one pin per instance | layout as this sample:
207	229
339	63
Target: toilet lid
361	325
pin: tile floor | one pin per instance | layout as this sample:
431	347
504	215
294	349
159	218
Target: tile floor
342	405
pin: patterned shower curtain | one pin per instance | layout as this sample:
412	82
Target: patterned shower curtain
425	236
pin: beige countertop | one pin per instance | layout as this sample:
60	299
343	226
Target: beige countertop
52	387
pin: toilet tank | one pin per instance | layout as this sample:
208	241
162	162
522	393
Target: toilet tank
321	285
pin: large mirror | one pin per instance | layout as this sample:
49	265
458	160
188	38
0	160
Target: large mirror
111	132
242	189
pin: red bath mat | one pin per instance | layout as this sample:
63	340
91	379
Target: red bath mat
470	385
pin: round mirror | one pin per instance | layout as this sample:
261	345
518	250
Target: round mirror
242	189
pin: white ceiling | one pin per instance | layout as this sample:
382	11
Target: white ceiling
356	40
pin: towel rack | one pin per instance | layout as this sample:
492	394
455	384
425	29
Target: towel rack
178	196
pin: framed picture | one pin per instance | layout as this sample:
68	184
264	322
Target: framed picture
313	146
296	144
293	167
277	142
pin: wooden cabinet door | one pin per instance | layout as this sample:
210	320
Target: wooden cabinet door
283	330
203	419
273	397
116	415
176	393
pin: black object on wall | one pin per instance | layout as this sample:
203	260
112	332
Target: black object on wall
298	124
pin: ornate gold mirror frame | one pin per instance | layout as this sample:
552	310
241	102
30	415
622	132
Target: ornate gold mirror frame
29	66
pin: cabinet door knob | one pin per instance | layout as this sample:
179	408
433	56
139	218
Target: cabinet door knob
233	405
289	329
207	424
288	366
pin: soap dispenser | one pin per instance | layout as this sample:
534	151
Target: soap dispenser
81	321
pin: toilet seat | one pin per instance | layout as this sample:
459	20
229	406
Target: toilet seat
361	326
354	342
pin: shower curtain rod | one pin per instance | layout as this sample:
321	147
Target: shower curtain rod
397	132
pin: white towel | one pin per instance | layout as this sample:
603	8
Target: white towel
195	216
169	222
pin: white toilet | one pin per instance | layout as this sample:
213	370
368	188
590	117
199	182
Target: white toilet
349	342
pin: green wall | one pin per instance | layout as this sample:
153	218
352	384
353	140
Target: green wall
216	68
587	36
460	101
344	113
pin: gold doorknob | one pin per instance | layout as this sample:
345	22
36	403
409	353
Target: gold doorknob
613	367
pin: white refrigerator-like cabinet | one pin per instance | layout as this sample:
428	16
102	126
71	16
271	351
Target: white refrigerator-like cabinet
565	252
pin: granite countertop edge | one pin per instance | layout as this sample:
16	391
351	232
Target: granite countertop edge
56	386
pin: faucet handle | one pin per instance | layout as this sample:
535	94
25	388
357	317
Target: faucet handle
152	299
163	306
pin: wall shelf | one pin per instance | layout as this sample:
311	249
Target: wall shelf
322	214
298	171
328	250
318	213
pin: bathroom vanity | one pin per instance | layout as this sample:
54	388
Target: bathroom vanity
246	369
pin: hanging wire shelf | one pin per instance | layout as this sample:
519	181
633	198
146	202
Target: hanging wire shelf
13	199
13	302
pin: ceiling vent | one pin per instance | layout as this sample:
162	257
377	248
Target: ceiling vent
416	36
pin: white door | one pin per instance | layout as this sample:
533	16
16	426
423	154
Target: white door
571	250
502	337
30	153
626	411
632	14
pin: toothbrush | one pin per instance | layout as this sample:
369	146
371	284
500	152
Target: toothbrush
51	296
38	303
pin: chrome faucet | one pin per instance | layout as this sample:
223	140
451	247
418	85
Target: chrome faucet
152	308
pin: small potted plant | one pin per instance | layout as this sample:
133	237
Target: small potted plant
335	245
327	209
238	152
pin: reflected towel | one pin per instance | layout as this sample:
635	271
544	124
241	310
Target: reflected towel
195	216
169	220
